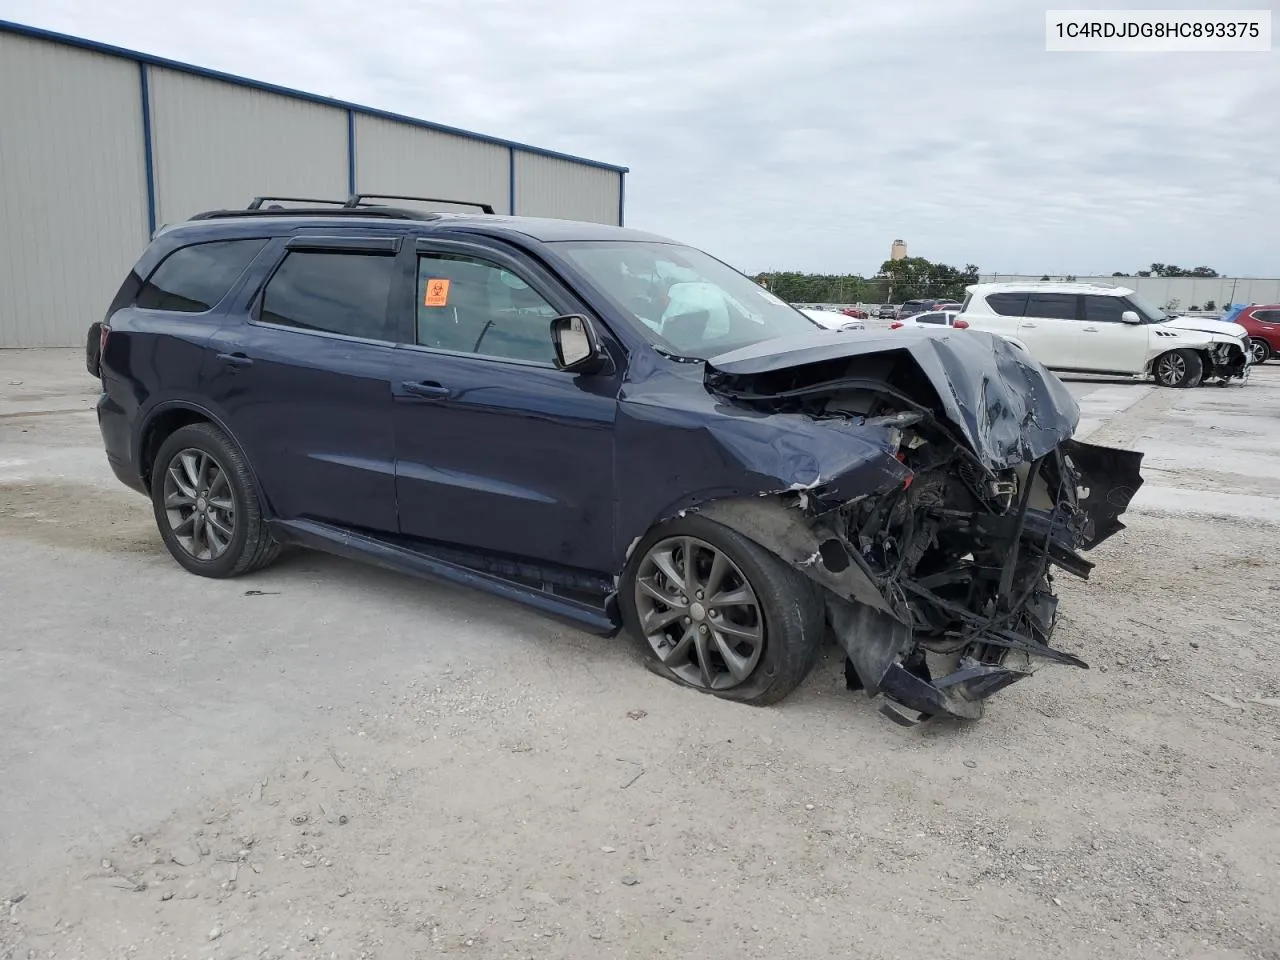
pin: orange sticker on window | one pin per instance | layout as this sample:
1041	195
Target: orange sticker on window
437	293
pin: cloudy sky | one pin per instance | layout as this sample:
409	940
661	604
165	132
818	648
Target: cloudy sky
803	135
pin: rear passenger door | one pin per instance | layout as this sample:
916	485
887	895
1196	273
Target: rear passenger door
303	380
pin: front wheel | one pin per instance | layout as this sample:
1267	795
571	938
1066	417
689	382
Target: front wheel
1259	350
1178	368
720	613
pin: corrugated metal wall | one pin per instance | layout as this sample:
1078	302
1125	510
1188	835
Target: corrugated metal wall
80	121
397	158
551	187
217	145
73	207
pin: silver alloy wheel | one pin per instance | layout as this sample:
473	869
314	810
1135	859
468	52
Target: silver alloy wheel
1260	350
1171	369
199	505
699	613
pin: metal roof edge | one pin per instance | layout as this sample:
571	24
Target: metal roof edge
38	33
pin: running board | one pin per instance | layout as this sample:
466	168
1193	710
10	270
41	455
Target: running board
353	545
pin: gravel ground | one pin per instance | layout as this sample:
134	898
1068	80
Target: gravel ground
541	795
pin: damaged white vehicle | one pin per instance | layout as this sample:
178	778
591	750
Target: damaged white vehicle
1082	328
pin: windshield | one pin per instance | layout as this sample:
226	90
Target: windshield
1150	312
687	302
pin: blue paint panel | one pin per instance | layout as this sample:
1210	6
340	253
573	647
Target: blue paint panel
21	29
146	145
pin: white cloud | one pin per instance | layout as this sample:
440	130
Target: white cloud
807	135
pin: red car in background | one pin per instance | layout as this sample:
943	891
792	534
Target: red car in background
1262	322
855	313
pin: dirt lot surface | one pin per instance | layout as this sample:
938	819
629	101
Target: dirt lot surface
346	763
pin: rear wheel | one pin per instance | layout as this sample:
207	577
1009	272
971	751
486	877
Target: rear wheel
720	613
1259	349
206	504
1178	368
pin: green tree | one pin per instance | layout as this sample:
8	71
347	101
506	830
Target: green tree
913	278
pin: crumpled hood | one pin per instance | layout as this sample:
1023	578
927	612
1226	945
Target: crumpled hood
1007	406
1205	325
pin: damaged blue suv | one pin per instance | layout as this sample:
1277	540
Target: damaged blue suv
613	428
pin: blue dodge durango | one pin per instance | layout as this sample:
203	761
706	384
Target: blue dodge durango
612	427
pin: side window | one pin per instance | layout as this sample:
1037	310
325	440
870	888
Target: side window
1267	316
193	279
932	318
1104	309
334	292
1052	306
1007	304
472	306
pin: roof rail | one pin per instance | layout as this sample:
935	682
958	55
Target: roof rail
358	199
381	213
259	201
356	205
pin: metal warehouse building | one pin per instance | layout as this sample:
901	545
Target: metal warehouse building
99	146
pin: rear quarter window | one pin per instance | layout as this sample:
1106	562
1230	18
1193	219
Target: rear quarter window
194	279
1007	304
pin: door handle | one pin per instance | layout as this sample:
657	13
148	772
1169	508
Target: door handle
235	359
1090	329
1029	326
428	389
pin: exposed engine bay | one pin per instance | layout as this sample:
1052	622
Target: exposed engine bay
939	585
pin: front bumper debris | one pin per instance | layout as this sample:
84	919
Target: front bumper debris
938	582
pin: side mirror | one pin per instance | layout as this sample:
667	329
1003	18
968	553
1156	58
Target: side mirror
578	346
1130	316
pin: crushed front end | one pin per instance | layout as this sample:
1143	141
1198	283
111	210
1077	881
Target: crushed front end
938	584
1227	361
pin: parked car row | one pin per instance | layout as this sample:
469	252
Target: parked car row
934	318
832	320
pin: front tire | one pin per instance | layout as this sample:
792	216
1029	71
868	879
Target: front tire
1178	368
719	613
1259	349
207	506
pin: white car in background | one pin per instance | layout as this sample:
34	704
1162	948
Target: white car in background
932	319
832	320
1082	328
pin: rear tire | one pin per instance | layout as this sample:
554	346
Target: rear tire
1260	349
206	504
787	610
1178	368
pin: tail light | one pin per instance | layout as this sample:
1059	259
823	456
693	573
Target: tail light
95	342
896	325
961	324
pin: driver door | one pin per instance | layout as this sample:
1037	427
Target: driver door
1107	343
